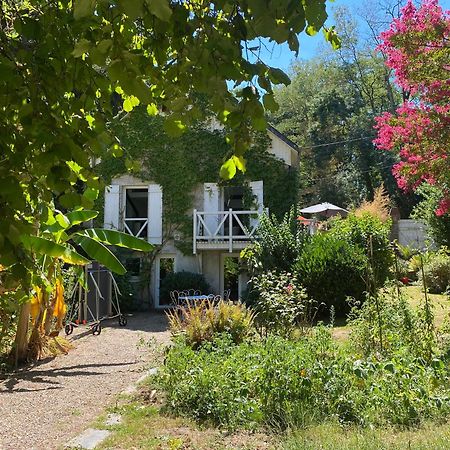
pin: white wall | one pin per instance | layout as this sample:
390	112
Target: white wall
282	150
412	233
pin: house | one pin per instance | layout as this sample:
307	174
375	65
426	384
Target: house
219	222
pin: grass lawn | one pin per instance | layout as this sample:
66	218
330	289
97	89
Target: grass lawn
146	426
415	296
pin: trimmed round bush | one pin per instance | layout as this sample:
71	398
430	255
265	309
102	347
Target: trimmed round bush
332	269
370	234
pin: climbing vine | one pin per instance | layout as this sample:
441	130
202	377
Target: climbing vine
180	165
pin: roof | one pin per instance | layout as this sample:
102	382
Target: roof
284	138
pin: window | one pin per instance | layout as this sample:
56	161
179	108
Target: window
136	211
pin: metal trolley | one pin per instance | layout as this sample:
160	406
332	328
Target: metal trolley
88	306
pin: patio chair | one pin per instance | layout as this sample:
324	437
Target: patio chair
226	294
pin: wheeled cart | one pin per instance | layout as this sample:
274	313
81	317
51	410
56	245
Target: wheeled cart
94	301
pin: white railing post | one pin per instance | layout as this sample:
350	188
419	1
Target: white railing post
230	230
194	232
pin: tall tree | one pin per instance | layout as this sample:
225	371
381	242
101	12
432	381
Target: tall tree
417	46
328	110
64	64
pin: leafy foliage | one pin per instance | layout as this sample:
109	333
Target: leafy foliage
333	269
370	234
389	325
438	226
281	304
181	281
417	48
437	272
202	322
111	55
279	245
282	383
328	111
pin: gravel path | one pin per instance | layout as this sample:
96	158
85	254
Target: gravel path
44	406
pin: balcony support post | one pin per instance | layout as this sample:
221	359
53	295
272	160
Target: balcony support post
194	233
230	230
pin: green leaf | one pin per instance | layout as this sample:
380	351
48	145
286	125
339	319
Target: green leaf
316	15
97	251
81	47
277	76
45	247
228	169
259	123
132	8
83	8
152	109
160	8
113	237
332	37
270	103
80	216
130	103
240	163
173	127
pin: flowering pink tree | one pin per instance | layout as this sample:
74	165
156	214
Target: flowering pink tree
417	48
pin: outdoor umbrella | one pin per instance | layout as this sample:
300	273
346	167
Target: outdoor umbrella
326	209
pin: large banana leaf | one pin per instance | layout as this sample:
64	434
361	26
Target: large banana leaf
112	237
96	250
80	216
45	247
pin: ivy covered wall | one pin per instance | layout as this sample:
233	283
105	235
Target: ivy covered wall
181	164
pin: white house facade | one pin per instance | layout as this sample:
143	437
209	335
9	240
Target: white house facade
221	226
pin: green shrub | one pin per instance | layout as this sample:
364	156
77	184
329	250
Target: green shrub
202	322
281	303
279	244
371	235
438	226
387	324
332	269
437	272
281	383
181	281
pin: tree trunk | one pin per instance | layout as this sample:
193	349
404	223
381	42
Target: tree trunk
20	348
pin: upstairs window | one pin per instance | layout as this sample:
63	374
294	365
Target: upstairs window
136	211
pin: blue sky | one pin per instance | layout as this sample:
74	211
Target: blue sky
280	55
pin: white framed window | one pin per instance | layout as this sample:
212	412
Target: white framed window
135	208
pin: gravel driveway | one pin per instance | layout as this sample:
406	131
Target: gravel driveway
44	406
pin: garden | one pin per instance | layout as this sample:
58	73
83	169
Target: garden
342	339
340	332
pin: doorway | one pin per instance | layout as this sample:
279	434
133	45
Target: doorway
230	275
165	265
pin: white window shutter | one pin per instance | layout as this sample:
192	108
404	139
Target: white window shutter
258	191
154	228
112	207
211	203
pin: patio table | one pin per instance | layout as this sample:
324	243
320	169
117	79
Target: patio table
192	297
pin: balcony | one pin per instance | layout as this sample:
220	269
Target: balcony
224	230
136	226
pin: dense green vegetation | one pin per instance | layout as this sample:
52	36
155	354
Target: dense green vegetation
278	382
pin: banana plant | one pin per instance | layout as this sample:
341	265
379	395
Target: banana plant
57	243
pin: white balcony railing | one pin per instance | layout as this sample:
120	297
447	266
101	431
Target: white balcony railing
219	227
136	226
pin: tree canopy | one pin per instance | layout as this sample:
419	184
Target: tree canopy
417	46
66	66
329	110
